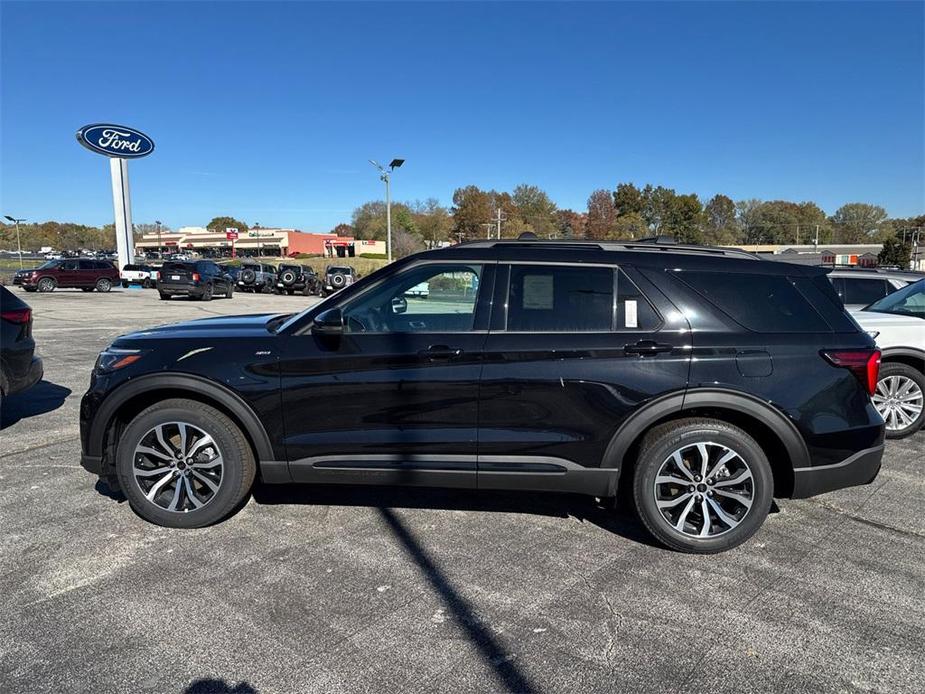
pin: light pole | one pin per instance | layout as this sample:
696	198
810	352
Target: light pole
18	243
386	176
157	224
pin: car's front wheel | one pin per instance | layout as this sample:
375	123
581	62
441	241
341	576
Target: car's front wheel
47	284
702	485
900	399
184	464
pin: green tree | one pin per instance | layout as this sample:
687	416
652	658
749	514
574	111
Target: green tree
628	200
571	224
536	209
343	229
720	221
858	222
895	253
219	224
472	208
432	220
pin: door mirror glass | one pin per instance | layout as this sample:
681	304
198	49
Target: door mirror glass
330	322
399	305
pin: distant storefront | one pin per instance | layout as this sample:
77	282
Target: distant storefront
258	242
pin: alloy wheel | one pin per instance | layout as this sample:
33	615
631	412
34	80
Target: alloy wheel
704	489
178	467
899	400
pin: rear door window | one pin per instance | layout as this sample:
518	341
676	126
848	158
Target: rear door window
761	303
560	299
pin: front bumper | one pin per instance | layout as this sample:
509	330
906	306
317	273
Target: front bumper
860	468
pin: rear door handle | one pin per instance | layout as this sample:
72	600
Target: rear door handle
440	353
644	347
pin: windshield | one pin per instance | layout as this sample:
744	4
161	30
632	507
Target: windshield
908	301
49	264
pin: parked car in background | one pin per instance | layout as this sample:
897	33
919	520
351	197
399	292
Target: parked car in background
231	270
897	322
19	367
297	278
199	279
861	286
257	277
703	380
336	277
144	275
72	273
420	291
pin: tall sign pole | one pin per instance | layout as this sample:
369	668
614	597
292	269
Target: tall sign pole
119	143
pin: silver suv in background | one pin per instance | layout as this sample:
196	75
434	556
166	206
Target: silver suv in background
257	277
859	287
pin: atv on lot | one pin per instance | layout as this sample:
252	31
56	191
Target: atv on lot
291	279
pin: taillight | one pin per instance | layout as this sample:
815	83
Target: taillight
157	276
863	363
19	315
195	277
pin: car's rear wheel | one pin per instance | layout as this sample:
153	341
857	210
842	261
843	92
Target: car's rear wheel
900	399
125	284
46	284
163	296
147	283
229	293
103	284
207	293
184	464
702	485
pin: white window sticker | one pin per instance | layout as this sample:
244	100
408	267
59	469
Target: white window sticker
538	292
630	317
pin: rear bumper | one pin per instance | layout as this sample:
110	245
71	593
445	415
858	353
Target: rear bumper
18	382
860	468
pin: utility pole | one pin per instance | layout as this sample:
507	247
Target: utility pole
816	239
157	224
498	220
385	175
18	242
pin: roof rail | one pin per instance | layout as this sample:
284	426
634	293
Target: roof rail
658	243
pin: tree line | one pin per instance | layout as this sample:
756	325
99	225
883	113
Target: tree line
627	212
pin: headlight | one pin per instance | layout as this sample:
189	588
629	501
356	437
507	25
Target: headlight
115	358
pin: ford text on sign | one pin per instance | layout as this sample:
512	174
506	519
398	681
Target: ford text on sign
115	141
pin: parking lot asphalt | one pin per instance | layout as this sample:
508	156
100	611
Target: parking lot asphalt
312	589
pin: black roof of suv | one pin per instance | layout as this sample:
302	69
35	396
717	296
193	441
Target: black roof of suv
704	380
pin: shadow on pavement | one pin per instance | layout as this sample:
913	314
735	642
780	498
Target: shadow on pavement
209	685
582	508
43	397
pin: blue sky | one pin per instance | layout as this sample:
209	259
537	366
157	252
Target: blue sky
269	111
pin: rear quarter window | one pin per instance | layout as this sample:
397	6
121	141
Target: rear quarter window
760	303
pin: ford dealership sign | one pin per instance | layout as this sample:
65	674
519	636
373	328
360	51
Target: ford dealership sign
115	141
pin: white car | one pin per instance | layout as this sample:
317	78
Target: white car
421	291
897	323
145	275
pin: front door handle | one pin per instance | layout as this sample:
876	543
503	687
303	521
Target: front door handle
645	347
440	353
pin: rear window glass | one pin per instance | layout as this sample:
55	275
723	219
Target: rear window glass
864	291
761	303
176	267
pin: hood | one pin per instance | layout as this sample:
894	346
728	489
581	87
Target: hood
872	319
254	325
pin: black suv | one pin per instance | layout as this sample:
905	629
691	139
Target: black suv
201	279
19	367
297	278
702	381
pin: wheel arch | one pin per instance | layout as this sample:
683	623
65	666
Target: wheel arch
770	427
128	400
910	356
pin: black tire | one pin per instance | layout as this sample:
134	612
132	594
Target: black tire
248	276
28	289
901	372
307	290
86	289
163	296
338	280
288	277
125	284
147	283
206	293
229	293
238	470
103	284
658	446
46	284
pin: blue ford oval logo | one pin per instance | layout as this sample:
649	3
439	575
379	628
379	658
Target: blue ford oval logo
115	140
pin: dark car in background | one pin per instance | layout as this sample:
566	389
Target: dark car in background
19	367
199	279
702	381
71	273
292	279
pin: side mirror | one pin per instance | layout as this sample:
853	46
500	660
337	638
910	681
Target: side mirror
330	322
399	304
